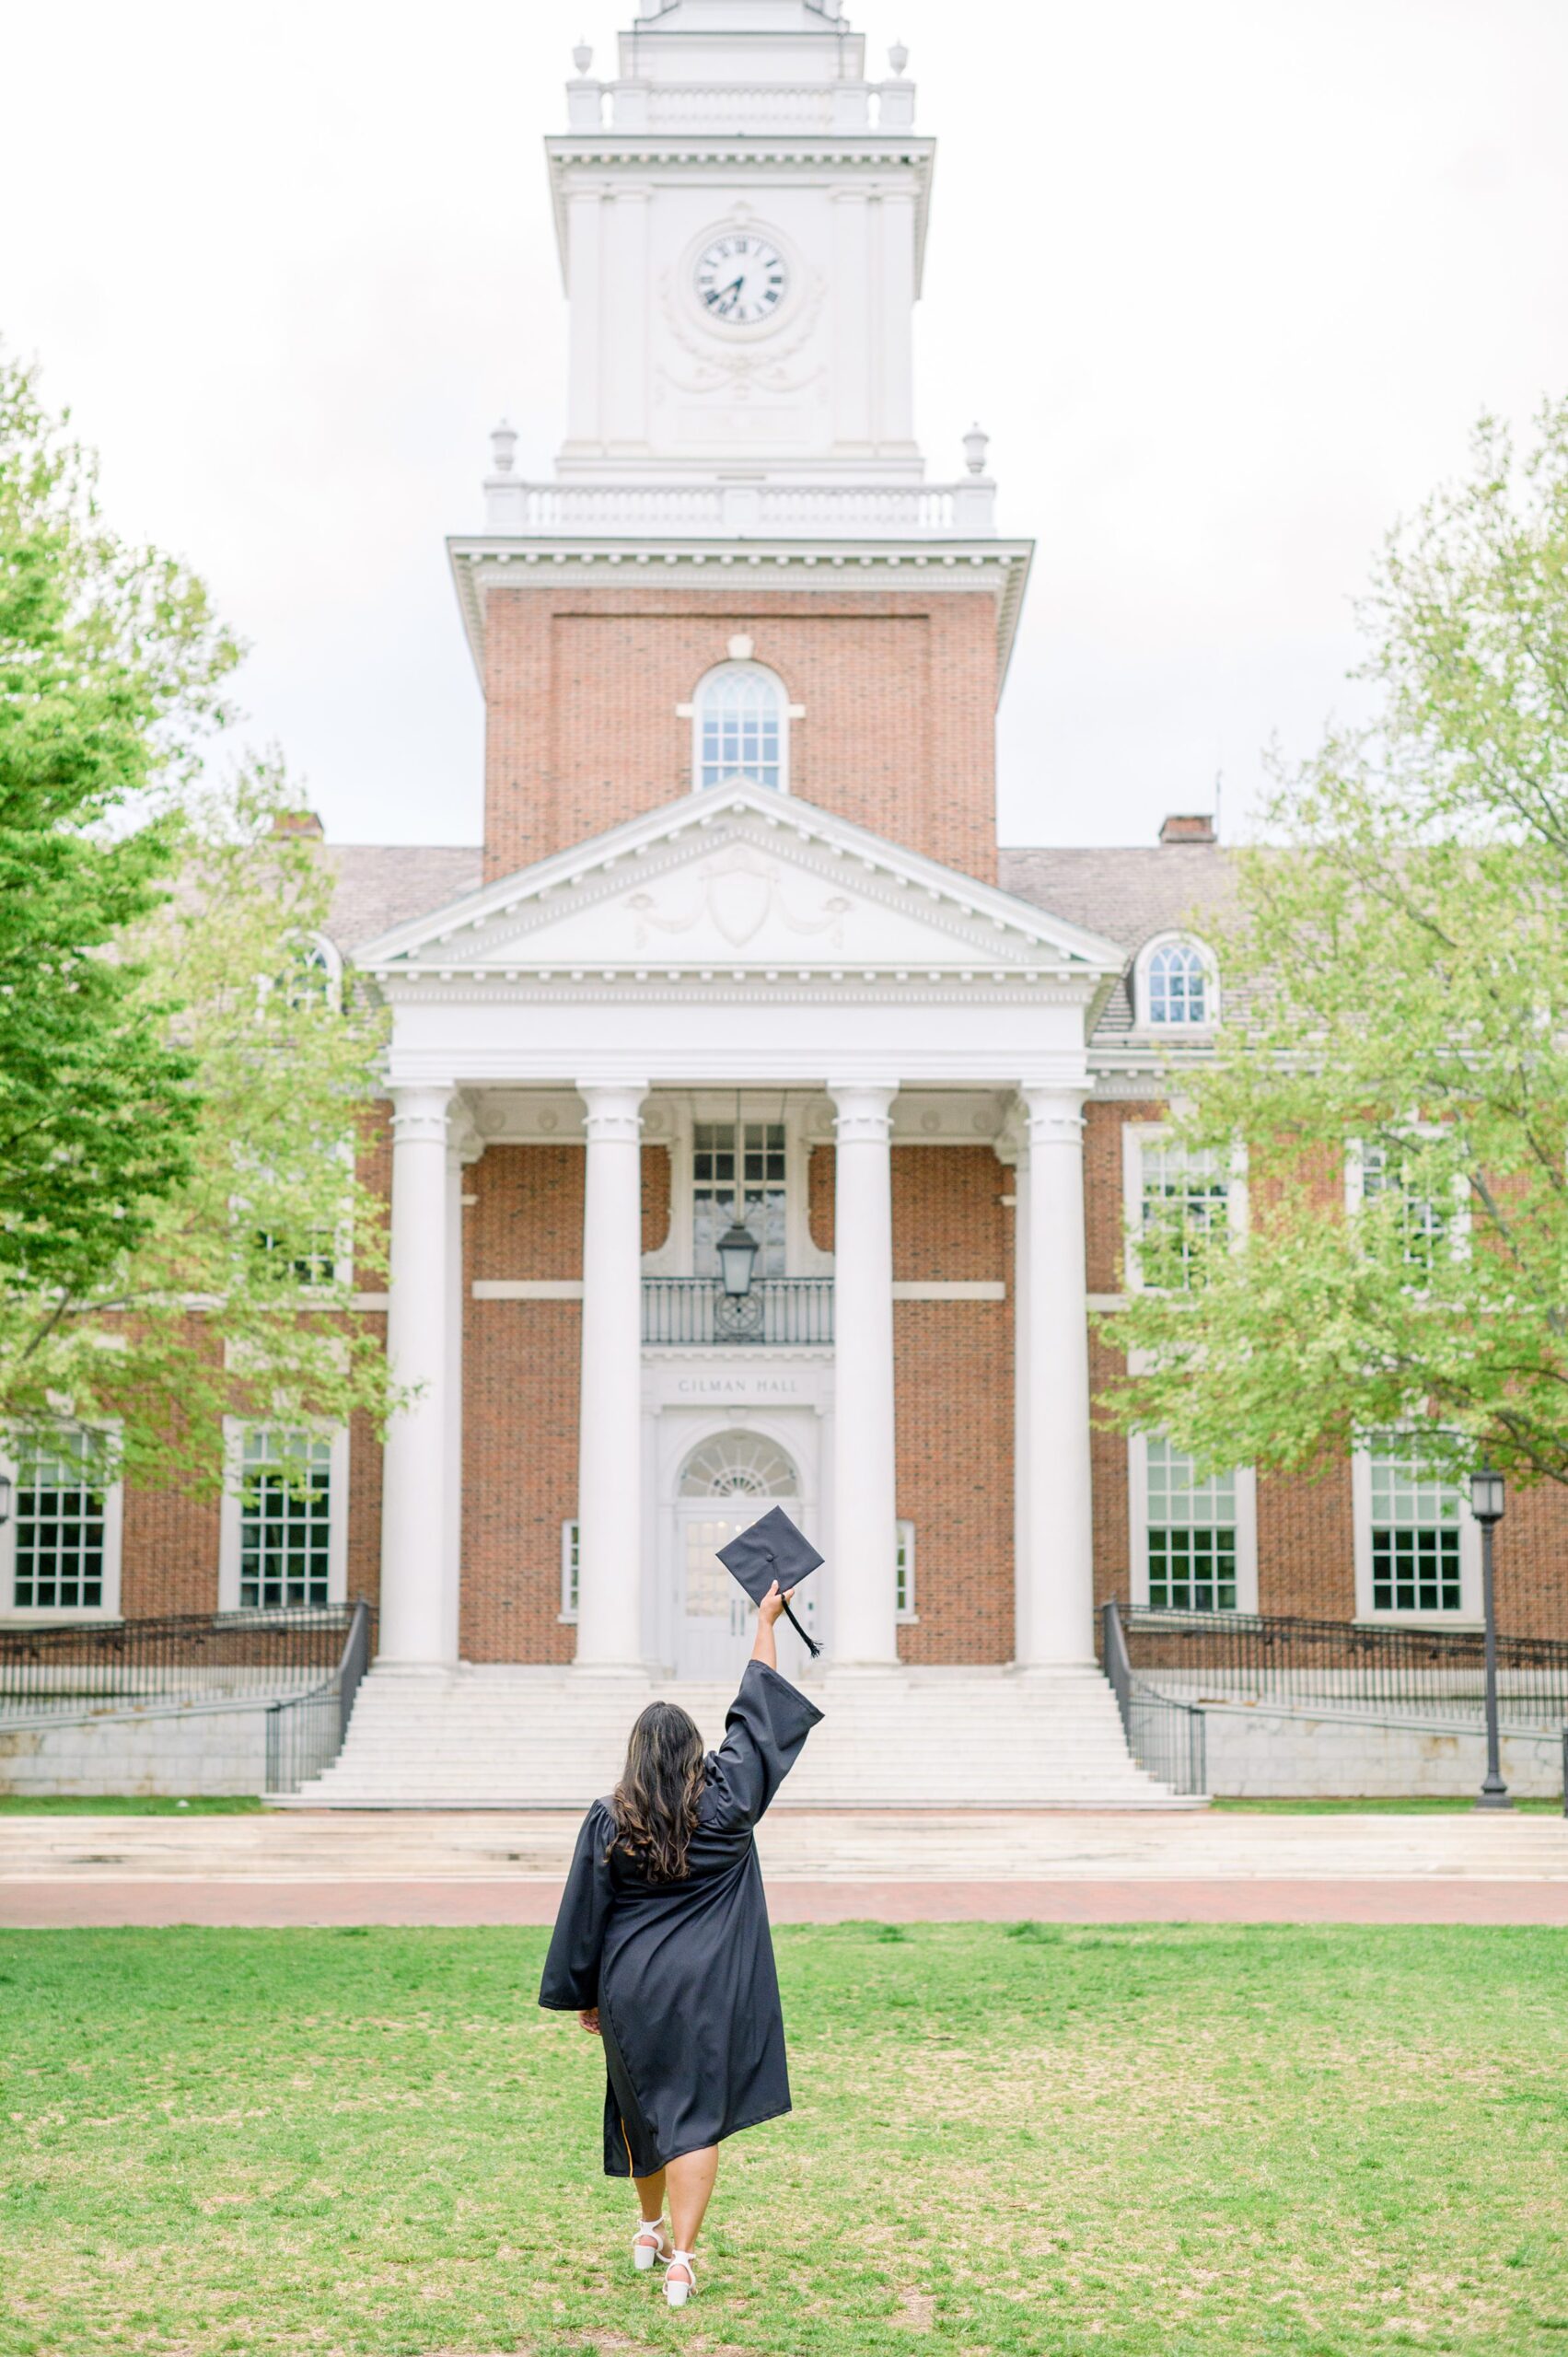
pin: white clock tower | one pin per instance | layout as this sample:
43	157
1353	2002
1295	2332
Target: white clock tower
741	217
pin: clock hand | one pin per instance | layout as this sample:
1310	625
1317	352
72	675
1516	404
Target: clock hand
727	294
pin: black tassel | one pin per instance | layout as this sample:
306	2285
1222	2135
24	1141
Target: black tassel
812	1649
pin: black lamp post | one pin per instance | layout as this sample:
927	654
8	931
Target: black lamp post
1486	1505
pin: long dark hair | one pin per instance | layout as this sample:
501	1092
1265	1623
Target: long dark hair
655	1802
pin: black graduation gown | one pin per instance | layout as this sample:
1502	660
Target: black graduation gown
682	1973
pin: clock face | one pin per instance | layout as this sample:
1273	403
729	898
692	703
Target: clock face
741	278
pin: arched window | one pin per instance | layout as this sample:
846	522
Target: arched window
738	1464
1176	987
742	728
319	974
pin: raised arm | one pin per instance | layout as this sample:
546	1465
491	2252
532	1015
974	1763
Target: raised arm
765	1643
768	1722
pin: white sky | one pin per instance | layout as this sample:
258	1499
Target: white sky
1227	282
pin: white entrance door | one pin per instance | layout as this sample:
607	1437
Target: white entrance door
726	1484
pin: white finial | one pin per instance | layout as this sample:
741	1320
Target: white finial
582	57
976	444
503	447
898	57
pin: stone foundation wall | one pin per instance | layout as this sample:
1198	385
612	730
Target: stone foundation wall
1267	1755
212	1752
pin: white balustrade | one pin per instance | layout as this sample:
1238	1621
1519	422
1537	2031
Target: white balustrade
964	510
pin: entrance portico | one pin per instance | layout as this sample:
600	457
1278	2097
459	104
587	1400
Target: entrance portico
935	1009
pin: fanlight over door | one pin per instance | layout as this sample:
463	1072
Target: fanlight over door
726	1484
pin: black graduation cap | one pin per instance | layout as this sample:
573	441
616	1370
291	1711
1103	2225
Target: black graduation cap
773	1549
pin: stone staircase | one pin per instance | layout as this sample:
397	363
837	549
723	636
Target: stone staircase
527	1737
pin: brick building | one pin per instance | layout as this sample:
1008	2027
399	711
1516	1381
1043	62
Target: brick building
740	947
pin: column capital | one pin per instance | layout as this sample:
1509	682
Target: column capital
612	1110
863	1110
420	1114
1054	1111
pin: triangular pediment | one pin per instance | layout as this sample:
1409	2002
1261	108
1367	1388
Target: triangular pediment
738	877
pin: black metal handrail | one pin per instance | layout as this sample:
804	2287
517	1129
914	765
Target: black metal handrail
176	1661
1360	1668
305	1734
1165	1736
777	1312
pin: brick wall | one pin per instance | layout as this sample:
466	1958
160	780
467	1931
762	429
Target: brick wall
1306	1523
899	690
521	1362
953	1386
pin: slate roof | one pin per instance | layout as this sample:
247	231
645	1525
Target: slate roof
1128	893
378	886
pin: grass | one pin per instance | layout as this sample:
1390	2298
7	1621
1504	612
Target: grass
121	1805
1009	2142
1378	1804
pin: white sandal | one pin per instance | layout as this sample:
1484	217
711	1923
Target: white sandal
648	2245
677	2294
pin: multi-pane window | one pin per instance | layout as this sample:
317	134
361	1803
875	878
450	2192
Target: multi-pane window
903	1570
1191	1535
760	1148
740	727
1177	984
60	1515
570	1557
1416	1527
1420	1221
1184	1196
286	1517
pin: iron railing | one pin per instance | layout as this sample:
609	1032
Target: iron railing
221	1660
306	1735
1346	1669
697	1312
1166	1737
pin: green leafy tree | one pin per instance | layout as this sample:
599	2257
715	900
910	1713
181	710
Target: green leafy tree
109	664
184	1082
1396	1000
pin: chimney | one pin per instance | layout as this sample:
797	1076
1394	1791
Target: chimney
297	822
1189	831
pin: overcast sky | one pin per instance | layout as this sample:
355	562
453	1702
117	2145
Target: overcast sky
1227	282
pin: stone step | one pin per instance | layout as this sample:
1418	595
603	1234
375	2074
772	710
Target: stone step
521	1736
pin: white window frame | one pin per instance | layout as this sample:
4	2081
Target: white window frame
787	712
234	1430
907	1613
1469	1615
1142	1016
674	1257
15	1616
1457	1232
1246	1481
1135	1137
571	1535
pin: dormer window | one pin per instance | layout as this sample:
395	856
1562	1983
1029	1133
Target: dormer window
1176	989
741	722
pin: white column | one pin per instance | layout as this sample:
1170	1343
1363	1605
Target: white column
862	1568
414	1620
452	1595
1014	1153
609	1539
1055	1565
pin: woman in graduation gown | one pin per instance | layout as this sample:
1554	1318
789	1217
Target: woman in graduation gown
662	1947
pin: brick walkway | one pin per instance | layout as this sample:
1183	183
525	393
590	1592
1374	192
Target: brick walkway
905	1866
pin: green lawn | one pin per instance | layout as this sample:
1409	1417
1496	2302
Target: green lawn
1169	2141
119	1804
